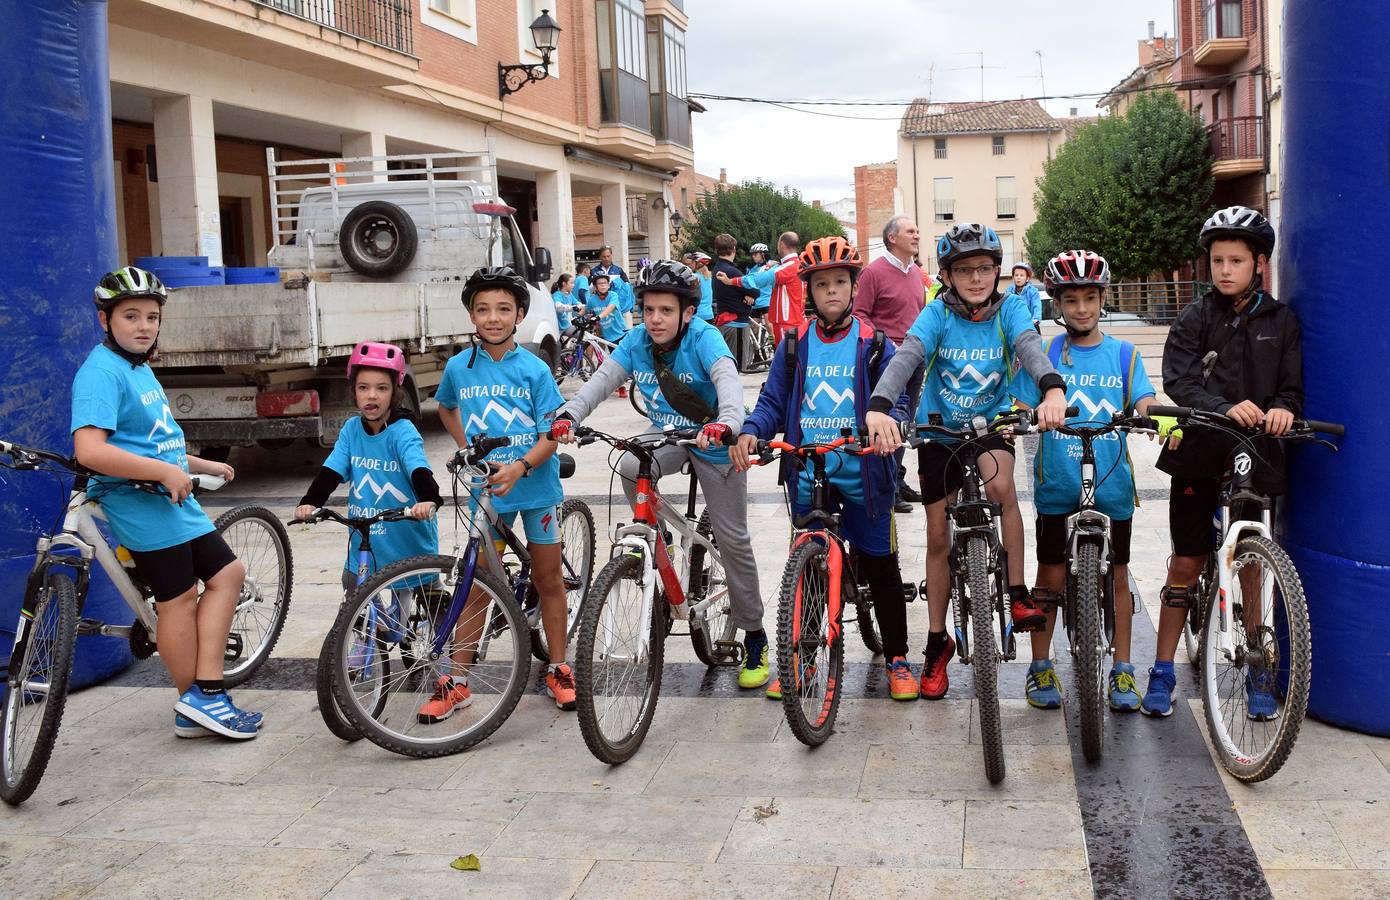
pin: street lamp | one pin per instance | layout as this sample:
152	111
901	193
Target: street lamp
545	33
677	223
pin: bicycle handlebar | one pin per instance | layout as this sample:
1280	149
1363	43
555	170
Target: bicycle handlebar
840	444
1020	423
474	453
1301	427
357	522
645	442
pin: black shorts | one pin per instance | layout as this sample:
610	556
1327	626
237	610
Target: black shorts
1192	505
172	571
940	471
1052	540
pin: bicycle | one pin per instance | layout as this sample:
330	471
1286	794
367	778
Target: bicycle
979	571
760	345
1262	646
493	644
50	618
623	627
582	353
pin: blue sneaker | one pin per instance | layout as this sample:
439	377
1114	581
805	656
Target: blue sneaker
185	727
1124	694
1043	688
218	714
1260	703
1158	699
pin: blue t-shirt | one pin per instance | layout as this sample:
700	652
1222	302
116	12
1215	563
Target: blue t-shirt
615	325
376	468
706	308
764	298
581	286
827	407
129	404
1095	380
562	304
701	347
516	397
969	375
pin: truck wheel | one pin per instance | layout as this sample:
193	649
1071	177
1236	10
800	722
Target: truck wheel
214	454
377	239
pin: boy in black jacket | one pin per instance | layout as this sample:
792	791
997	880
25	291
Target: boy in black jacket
1236	351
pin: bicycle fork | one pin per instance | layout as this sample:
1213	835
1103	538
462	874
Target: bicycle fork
1226	574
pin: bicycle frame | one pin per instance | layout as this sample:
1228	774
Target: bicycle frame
1241	490
972	514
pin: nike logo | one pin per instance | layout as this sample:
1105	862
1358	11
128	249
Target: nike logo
1264	337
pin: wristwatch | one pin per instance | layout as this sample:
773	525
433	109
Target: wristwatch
527	465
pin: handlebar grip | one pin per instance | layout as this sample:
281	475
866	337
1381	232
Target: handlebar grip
1073	412
485	445
1172	412
1331	428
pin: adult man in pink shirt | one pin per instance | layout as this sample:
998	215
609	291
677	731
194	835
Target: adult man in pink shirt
890	295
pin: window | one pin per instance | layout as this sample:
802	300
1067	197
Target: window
944	197
628	18
1005	197
1222	19
940	148
527	11
455	17
1006	243
666	58
998	145
622	62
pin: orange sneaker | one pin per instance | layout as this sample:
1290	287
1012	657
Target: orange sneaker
559	684
1026	616
448	696
901	684
935	682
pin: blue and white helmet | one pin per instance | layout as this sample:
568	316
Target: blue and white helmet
968	239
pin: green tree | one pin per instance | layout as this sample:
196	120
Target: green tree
1134	189
754	211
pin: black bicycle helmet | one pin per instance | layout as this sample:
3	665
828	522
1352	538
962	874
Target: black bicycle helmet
492	277
672	277
968	239
127	283
1240	223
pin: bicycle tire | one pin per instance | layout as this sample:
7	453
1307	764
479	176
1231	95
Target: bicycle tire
577	567
1088	652
636	398
1253	767
985	659
333	717
419	671
48	656
706	636
864	614
259	628
624	568
802	625
1195	619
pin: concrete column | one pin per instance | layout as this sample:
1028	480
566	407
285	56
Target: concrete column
359	143
555	218
190	224
658	228
614	203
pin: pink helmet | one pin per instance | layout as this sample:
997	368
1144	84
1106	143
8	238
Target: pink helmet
378	356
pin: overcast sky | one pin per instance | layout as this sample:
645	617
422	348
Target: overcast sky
886	50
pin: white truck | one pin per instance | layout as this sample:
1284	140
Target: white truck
369	248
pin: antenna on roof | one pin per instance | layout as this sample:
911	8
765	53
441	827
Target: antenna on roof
981	67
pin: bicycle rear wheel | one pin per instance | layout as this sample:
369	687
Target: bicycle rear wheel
864	612
1088	649
810	647
260	541
618	658
333	717
707	580
37	687
636	398
1196	615
410	599
985	656
1273	658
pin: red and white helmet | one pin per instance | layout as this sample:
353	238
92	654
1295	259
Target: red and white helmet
1076	268
375	355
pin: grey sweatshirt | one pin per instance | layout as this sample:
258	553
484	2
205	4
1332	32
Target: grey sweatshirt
611	375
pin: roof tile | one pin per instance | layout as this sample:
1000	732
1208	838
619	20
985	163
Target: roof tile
990	117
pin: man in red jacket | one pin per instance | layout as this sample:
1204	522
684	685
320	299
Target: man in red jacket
788	310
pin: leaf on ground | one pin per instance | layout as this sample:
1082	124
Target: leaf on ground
764	812
467	863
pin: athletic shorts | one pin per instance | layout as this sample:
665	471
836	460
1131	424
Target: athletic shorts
1052	540
541	525
172	571
874	536
940	471
1193	505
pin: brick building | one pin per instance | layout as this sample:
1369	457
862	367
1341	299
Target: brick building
875	188
1154	70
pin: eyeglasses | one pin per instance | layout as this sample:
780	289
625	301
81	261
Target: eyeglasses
968	272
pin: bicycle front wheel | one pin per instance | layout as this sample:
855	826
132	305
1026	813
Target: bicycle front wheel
618	658
37	687
707	581
1088	648
260	541
985	658
1255	699
810	648
427	703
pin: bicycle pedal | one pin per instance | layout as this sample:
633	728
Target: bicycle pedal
235	645
1176	596
87	627
729	653
909	593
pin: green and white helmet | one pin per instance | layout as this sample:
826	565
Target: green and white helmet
125	283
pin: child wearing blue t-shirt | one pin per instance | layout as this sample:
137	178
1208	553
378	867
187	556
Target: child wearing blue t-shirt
1103	376
563	296
611	305
499	389
122	428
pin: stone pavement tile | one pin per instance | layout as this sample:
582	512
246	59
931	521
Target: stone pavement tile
536	717
92	700
159	753
138	709
700	719
1364	829
1022	724
48	867
1293	884
286	712
958	773
999	833
955	884
404	820
1383	753
561	765
1293	834
79	748
942	723
204	813
323	759
1333	771
848	832
425	875
63	802
642	880
651	829
704	769
175	871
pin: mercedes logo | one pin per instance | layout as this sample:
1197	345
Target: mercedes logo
184	403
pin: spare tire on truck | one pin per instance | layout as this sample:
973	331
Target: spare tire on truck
377	239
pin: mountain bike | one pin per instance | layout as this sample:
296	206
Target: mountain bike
760	346
50	618
1254	629
582	353
624	623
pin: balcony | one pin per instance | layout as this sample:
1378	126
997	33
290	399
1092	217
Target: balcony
386	23
1223	34
945	210
1237	146
1006	207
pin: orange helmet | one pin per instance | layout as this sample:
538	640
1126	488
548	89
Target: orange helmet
828	253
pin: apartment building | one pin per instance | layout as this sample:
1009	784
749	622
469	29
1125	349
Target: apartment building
201	88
